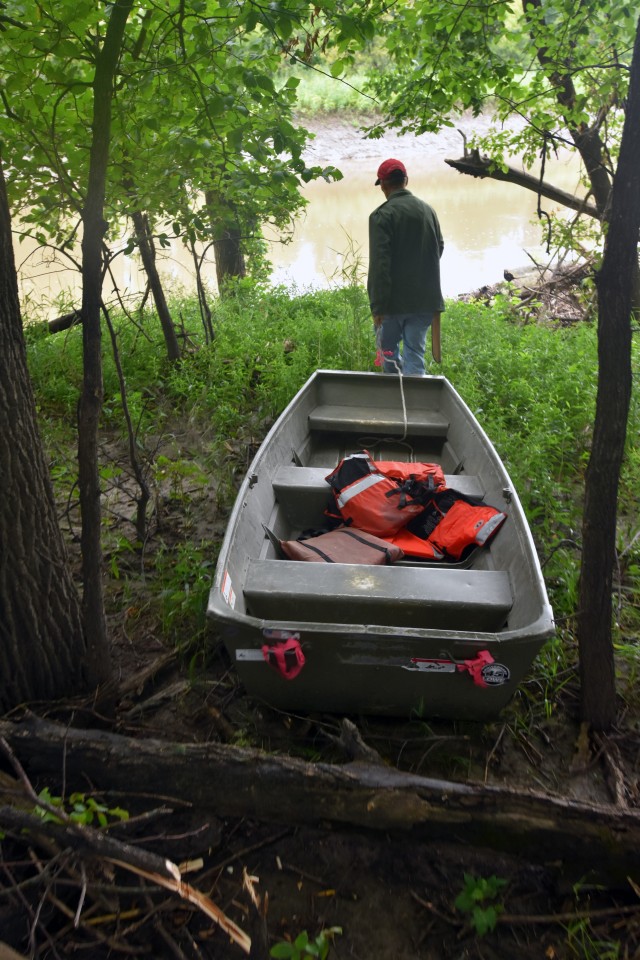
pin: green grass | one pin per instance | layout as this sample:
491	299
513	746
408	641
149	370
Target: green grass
319	93
532	387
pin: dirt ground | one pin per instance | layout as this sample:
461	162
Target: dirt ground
391	897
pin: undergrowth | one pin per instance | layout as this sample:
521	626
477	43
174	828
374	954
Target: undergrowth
198	423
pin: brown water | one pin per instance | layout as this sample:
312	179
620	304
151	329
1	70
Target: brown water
487	226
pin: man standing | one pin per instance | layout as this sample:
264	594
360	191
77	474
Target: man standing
405	246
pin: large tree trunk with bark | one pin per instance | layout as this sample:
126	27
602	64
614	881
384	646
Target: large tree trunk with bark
42	645
229	256
227	242
615	286
94	228
596	839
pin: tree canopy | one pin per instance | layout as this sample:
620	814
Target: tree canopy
197	106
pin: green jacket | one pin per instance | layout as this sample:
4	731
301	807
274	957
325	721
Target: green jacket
405	246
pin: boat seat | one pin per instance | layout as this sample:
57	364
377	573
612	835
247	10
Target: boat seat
287	590
369	420
304	493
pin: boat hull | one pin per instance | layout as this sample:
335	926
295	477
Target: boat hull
413	639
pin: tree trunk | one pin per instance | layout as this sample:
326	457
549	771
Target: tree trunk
42	645
230	781
147	252
229	257
227	241
615	287
205	311
94	228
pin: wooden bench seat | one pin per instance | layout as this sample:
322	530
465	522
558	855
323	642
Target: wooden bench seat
393	596
372	420
304	493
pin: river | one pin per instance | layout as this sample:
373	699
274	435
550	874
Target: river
488	226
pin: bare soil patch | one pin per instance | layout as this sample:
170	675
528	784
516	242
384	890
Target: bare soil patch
344	138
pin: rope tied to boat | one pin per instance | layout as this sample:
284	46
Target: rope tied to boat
404	405
381	357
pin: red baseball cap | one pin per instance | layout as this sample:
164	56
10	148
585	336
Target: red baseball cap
388	167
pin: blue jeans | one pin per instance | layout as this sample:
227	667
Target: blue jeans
411	329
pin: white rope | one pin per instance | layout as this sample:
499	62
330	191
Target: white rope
382	359
404	406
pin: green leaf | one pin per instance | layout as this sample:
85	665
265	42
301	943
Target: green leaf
284	25
484	919
66	48
252	20
281	951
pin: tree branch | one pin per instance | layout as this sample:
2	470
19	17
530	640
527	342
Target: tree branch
476	166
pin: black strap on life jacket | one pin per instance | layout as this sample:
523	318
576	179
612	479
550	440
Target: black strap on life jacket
438	504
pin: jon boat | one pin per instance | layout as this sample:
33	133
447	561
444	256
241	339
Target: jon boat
415	638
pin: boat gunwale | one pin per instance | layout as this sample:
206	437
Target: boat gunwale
541	626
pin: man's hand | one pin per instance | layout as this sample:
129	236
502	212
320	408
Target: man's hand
377	320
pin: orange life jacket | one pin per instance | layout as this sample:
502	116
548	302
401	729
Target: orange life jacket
368	498
450	524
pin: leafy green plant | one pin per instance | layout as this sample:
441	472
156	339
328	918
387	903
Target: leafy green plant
555	667
582	940
184	579
320	93
350	280
179	475
79	808
303	948
477	899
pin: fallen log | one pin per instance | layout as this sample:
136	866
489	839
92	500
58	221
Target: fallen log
64	322
584	838
474	165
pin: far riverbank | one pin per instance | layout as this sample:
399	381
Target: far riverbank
343	138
